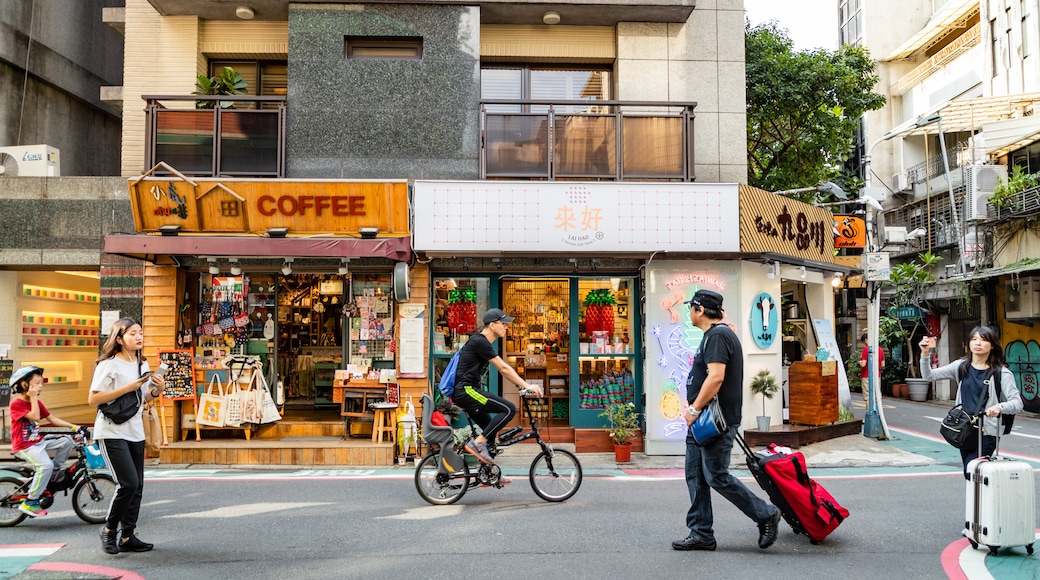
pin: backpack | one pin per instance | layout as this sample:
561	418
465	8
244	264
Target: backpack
447	384
1005	419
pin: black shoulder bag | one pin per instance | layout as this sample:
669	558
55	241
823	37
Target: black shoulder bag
126	406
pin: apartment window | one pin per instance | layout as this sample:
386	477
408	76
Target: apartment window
384	47
1023	9
556	84
994	47
850	16
263	78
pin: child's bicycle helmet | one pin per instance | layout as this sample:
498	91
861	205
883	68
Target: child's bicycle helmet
23	374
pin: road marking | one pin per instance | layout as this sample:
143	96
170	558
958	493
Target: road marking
28	550
426	513
86	569
249	509
1013	429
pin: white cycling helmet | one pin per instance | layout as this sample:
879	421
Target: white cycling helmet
23	374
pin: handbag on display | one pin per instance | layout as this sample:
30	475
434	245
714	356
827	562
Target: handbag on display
250	406
268	410
709	424
212	405
233	417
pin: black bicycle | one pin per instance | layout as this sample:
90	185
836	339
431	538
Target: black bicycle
91	491
443	476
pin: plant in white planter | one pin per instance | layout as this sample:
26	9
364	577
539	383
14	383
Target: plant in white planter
764	384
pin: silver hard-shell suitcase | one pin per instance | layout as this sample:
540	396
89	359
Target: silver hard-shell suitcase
1000	505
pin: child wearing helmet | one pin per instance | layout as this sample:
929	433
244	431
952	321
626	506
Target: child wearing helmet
27	443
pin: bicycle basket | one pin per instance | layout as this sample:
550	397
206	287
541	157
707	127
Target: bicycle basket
94	458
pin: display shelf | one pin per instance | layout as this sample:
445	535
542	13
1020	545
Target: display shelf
59	371
58	329
62	294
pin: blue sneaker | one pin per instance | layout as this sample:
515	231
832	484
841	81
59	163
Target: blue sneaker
33	509
479	451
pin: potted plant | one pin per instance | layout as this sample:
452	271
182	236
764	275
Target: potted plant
624	421
764	384
599	311
910	279
227	82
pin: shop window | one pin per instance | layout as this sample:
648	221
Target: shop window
605	347
458	304
371	320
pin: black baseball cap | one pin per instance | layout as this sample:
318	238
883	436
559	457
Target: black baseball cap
706	298
495	315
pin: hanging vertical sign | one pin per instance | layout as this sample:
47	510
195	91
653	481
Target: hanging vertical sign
850	232
765	323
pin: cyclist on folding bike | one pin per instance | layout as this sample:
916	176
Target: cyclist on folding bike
486	409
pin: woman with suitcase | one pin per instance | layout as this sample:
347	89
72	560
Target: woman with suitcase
979	374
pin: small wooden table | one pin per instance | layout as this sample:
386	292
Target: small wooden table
356	397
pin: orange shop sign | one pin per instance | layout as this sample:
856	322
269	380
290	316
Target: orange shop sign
851	232
252	206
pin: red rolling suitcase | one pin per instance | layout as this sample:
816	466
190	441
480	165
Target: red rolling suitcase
803	503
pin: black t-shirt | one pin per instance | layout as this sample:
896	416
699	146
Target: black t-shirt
473	362
720	345
974	389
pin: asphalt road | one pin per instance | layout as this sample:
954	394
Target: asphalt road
236	524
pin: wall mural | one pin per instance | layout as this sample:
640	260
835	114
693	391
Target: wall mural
1023	358
672	340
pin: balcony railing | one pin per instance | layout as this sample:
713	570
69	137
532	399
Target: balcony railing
933	166
239	141
588	140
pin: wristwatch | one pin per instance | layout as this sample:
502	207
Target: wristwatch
693	410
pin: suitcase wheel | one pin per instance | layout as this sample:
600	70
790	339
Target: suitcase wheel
993	550
974	544
1029	549
813	542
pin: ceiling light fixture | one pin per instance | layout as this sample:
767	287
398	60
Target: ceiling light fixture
235	270
287	267
244	12
213	268
551	17
771	272
836	280
801	272
344	267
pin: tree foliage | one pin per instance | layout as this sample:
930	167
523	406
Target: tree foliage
803	108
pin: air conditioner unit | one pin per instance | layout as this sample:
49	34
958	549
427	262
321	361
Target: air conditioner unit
1022	298
29	161
900	182
981	181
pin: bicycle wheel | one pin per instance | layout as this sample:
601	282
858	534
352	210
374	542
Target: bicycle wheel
556	477
438	488
92	496
9	514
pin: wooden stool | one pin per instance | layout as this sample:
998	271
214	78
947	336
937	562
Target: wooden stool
385	422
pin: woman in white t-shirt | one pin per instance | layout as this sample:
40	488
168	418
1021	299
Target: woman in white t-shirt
120	370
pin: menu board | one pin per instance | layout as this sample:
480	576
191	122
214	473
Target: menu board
6	368
180	376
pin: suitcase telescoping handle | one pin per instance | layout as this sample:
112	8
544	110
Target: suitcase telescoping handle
982	429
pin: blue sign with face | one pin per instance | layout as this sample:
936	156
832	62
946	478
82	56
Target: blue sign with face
764	320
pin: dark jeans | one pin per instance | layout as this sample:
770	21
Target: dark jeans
125	460
989	444
489	411
707	468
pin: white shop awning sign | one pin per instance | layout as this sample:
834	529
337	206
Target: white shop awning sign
499	217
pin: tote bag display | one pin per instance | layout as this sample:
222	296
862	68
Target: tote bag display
212	405
250	406
234	398
268	410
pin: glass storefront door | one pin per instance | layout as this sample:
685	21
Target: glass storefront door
576	337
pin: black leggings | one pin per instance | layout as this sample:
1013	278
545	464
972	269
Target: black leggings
489	411
125	460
